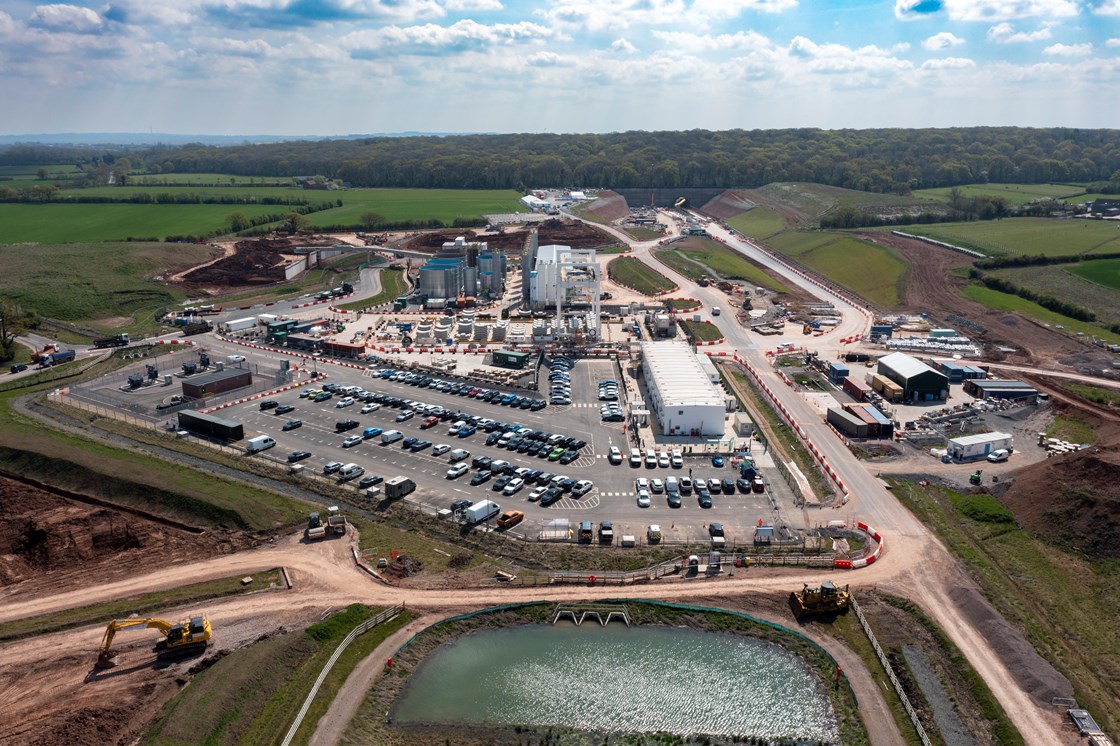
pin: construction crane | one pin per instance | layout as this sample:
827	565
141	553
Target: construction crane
188	637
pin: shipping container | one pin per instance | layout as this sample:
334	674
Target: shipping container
237	325
218	382
855	388
208	424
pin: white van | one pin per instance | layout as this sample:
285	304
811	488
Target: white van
349	471
391	436
259	443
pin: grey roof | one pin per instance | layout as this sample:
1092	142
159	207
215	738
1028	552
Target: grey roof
906	366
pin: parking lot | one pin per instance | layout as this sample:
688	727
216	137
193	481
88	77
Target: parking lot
614	496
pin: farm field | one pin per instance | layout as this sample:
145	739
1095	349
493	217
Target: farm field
691	256
1051	237
633	274
761	223
1015	194
90	281
874	272
59	223
1099	271
396	205
1067	283
1006	302
810	201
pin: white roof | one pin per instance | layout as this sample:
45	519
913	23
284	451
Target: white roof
533	201
970	440
906	366
678	376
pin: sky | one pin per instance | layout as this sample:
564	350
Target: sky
334	67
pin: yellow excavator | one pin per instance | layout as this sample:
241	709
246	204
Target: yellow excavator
188	637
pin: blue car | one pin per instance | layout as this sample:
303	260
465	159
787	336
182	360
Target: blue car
371	432
717	460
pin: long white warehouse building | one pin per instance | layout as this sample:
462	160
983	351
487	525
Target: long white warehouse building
681	396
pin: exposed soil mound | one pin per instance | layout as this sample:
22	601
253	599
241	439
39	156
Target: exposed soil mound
403	566
566	232
49	541
255	262
1074	499
610	206
727	205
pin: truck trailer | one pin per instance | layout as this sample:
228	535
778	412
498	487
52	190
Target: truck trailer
237	325
55	358
117	340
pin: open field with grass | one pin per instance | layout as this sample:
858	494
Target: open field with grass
1090	197
691	256
1048	236
761	223
1098	394
62	223
811	201
253	694
1006	302
874	272
392	287
136	605
633	274
1064	603
1104	272
1015	194
701	331
1065	282
90	281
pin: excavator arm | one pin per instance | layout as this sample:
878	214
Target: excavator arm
118	625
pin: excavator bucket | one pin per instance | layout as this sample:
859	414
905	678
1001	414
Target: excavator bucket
106	659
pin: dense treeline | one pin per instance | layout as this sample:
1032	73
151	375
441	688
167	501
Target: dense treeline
1040	260
51	193
959	208
883	160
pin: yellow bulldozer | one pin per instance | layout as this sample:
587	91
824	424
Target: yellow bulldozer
827	599
188	637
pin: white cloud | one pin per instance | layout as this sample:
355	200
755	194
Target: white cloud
686	41
1110	43
1006	10
1069	50
1005	33
66	18
948	63
430	38
7	25
546	59
460	6
601	15
622	45
943	40
732	8
1107	8
838	59
235	47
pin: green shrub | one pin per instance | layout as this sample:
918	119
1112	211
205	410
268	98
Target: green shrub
983	509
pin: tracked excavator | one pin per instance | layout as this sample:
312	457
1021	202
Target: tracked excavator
827	599
188	637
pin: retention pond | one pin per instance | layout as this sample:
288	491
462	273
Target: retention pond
620	679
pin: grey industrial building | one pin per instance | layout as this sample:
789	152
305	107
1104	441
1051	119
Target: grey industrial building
463	267
218	382
919	382
994	388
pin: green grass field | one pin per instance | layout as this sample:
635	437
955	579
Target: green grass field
1006	302
702	331
1015	194
874	272
1052	237
813	200
59	223
689	257
760	223
633	274
1101	271
392	286
90	281
1066	283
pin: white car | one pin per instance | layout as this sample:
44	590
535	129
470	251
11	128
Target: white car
352	441
514	485
345	401
643	499
615	455
641	483
457	471
535	495
635	457
999	455
663	460
370	408
582	487
677	460
441	449
657	486
651	458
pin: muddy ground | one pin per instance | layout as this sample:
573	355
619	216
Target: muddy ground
254	262
572	233
609	206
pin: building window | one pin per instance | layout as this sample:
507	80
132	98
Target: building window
680	411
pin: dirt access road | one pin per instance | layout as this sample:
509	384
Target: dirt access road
51	674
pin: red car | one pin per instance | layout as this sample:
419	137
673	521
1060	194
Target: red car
429	422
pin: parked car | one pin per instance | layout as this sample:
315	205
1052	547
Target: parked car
268	404
999	455
717	461
643	499
582	487
370	408
481	476
371	432
615	455
369	481
512	518
292	424
352	441
295	456
284	409
457	471
331	467
345	401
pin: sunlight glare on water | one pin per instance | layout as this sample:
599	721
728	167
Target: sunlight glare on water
619	678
